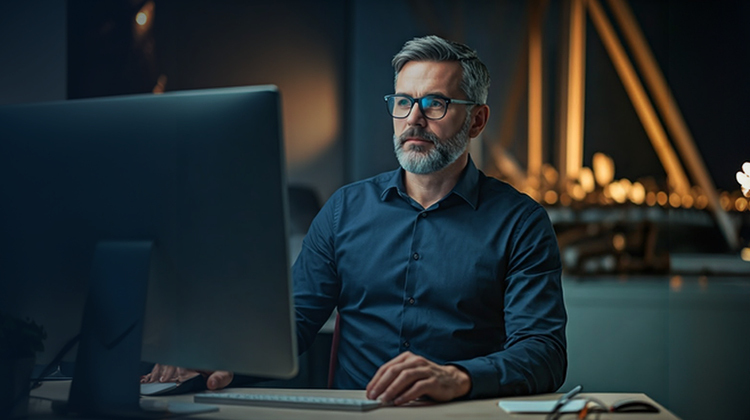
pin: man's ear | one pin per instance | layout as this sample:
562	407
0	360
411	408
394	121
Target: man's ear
479	117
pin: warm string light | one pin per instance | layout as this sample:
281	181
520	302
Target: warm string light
599	186
743	177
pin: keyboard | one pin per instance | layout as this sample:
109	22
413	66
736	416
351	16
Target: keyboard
287	401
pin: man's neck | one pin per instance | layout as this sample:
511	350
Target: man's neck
428	189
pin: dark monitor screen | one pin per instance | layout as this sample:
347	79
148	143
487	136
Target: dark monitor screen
180	197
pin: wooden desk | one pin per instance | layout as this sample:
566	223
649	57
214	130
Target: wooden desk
40	409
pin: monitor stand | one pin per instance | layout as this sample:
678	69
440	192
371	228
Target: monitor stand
106	380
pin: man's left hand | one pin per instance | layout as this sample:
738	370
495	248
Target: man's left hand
408	377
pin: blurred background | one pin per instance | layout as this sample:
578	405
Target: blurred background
626	119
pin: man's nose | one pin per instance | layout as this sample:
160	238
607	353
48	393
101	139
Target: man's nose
416	117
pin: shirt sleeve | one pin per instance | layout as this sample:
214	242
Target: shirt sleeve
315	280
534	356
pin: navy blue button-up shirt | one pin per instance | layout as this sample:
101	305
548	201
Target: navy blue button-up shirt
473	281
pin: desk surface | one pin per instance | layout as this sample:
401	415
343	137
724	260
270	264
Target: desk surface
40	407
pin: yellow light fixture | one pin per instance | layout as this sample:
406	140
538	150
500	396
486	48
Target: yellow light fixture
141	18
637	193
743	177
604	169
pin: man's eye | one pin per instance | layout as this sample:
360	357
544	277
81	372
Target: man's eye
403	103
435	103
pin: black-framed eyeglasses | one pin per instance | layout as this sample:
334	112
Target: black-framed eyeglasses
433	107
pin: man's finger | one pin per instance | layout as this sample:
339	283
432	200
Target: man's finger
405	380
183	375
389	372
219	379
382	371
168	374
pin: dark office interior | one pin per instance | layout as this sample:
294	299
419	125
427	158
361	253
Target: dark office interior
657	276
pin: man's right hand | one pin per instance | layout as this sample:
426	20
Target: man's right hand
164	373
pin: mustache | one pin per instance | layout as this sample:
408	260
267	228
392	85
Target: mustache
419	133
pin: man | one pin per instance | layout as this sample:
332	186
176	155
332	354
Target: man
447	282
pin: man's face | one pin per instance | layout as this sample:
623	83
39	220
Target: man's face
424	146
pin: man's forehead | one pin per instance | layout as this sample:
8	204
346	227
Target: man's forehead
430	76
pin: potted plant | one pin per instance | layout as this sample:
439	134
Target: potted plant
20	340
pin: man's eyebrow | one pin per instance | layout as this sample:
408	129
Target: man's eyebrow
426	94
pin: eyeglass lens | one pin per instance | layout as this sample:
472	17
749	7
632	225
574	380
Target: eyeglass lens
433	107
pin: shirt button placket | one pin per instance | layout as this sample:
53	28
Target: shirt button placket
410	301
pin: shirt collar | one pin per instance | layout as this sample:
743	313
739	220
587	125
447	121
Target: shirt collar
467	186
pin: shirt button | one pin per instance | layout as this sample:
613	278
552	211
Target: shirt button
423	214
415	256
406	344
411	301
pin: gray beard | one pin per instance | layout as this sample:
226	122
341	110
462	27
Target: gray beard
420	160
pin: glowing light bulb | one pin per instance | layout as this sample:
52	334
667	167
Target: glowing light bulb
604	169
743	177
141	18
586	178
740	204
637	193
662	198
550	197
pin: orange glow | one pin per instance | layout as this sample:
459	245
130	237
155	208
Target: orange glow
550	174
161	84
565	199
662	198
586	178
577	192
141	18
550	197
309	131
619	242
144	20
675	283
740	204
745	254
604	169
703	282
687	201
651	198
743	177
618	191
701	202
637	193
576	85
725	201
675	200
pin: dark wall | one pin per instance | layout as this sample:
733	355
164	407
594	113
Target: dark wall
32	51
708	56
294	44
703	50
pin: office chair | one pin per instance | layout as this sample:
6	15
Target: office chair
334	351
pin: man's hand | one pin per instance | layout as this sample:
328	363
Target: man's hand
408	377
163	373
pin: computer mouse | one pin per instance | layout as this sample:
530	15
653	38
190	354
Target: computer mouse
633	406
194	384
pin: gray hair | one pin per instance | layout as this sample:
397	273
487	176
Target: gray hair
475	80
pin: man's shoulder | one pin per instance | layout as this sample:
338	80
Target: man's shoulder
493	190
372	185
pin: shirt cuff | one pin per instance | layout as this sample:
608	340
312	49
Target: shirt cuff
483	374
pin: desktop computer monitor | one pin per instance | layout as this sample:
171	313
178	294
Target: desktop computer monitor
168	215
